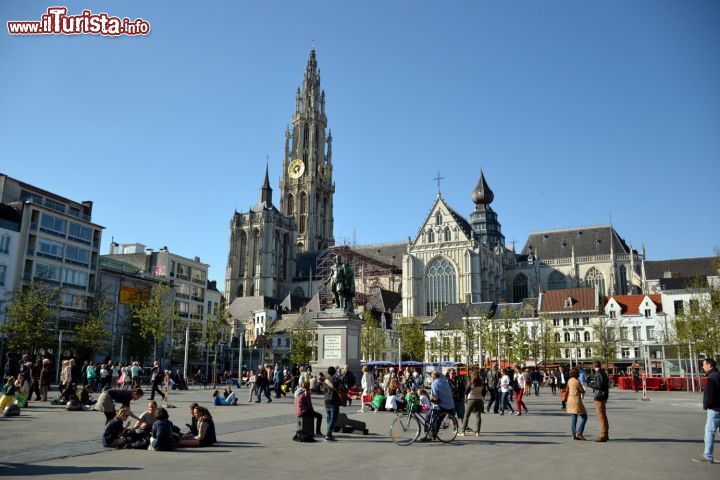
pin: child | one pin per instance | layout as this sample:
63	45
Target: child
378	400
424	403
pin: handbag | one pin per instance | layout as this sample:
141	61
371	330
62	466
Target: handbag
564	394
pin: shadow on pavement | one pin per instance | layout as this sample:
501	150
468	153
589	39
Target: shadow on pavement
24	469
650	440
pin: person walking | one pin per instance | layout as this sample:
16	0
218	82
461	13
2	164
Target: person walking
711	403
157	377
601	392
493	382
457	385
46	378
520	391
562	384
474	393
575	405
505	392
278	379
367	382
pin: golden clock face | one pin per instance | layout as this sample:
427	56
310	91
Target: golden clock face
296	168
324	172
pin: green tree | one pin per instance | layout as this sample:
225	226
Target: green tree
520	350
216	329
605	333
29	317
372	338
549	346
302	342
412	337
91	336
154	315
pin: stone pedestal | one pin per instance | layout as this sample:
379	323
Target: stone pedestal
338	340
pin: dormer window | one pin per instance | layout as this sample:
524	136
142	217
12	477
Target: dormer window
612	313
568	302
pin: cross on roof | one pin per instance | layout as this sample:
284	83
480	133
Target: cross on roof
438	179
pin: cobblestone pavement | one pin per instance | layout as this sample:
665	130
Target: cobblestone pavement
653	440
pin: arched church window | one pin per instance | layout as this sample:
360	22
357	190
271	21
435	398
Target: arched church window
520	288
240	291
556	281
623	280
290	205
303	212
447	234
441	284
594	278
438	218
430	236
242	255
256	253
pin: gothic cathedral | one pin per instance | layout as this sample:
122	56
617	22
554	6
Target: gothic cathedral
265	241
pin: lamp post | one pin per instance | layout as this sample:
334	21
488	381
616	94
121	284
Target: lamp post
241	344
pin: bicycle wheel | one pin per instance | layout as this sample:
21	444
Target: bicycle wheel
405	430
448	429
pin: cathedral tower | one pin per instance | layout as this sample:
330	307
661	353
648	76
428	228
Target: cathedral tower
307	188
485	225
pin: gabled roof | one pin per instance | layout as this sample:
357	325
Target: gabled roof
586	241
289	322
630	304
582	300
453	316
292	303
387	253
383	300
242	308
459	219
681	268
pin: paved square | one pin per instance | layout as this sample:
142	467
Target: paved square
653	440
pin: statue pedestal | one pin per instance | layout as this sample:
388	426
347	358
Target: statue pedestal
338	340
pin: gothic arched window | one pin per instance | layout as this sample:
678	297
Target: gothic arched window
242	254
290	205
438	218
556	281
520	288
303	212
430	236
256	253
595	278
557	337
305	137
446	234
567	336
441	285
240	291
623	280
587	336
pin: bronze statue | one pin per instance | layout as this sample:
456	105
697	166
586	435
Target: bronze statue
342	284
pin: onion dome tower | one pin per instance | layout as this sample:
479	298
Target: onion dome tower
485	225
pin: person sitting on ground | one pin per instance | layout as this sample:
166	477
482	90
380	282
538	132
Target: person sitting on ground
69	392
162	438
148	417
219	401
192	426
8	397
206	430
83	395
22	390
304	408
391	402
378	401
106	401
117	436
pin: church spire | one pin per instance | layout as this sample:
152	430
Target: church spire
482	193
266	190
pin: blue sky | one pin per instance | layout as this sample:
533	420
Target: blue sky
578	112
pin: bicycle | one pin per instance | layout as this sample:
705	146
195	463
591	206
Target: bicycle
406	429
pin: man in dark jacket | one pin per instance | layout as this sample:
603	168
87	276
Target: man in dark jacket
331	391
601	392
711	403
493	381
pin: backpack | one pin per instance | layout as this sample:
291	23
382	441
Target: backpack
302	436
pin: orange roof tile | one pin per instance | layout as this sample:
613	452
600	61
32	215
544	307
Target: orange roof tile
630	304
583	299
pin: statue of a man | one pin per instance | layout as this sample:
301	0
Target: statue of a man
335	280
348	287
